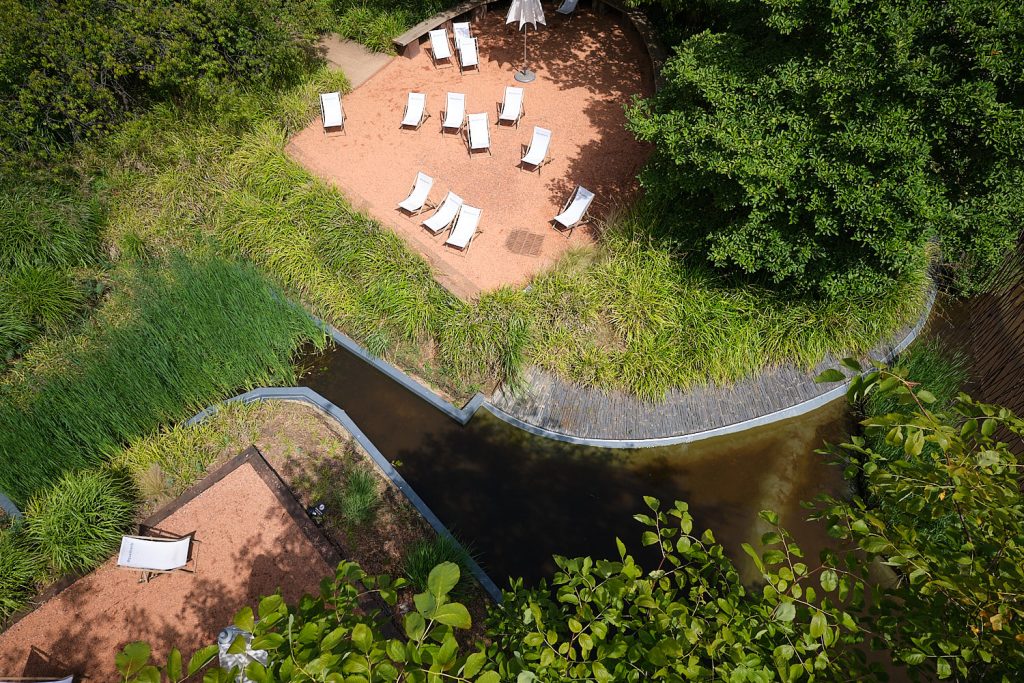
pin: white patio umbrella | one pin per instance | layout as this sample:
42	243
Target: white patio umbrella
525	12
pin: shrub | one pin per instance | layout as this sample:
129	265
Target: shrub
359	496
375	22
19	566
79	522
427	554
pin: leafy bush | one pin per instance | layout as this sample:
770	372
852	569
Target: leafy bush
79	522
19	567
359	496
81	64
427	554
825	145
176	337
939	370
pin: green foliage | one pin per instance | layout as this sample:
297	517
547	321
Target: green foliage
428	553
19	567
330	638
821	145
79	65
79	522
689	618
948	518
359	496
177	336
375	22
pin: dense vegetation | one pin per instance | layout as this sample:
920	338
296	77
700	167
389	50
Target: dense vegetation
174	339
954	610
826	142
375	22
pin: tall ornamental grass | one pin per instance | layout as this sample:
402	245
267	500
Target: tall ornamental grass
79	522
20	566
178	336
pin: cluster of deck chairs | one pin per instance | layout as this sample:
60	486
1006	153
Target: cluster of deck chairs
463	220
465	46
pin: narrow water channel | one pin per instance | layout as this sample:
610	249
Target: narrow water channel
517	499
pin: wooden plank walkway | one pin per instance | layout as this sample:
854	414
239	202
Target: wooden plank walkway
555	405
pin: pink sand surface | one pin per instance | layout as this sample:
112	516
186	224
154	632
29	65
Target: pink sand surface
587	70
249	547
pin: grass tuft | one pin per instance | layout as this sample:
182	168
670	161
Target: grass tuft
359	496
19	567
427	554
79	522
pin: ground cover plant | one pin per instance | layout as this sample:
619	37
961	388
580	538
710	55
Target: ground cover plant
826	143
375	22
174	340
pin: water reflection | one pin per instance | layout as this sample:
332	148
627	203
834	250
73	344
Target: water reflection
518	499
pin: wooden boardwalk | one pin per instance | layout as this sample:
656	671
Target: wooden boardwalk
557	407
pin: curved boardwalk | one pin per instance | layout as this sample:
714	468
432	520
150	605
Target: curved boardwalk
553	407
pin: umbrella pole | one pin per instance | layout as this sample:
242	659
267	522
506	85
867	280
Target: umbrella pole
525	75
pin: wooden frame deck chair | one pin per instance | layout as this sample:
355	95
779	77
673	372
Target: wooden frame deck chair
419	197
468	55
567	8
415	111
440	50
39	679
477	134
537	154
331	111
454	113
445	214
511	108
461	31
574	211
465	228
151	555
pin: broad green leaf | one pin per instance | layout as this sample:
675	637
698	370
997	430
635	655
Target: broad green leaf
362	637
201	658
785	611
473	664
830	375
489	677
818	624
453	614
132	658
174	664
443	578
244	620
237	646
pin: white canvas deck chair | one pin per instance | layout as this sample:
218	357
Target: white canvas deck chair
567	7
331	111
444	216
511	108
478	137
465	228
38	679
440	50
575	210
537	154
415	111
454	112
419	197
461	31
150	555
468	56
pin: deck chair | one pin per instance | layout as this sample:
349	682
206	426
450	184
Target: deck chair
152	555
511	109
39	679
461	31
455	112
575	210
415	111
419	197
331	111
567	7
444	216
478	137
465	228
537	154
439	47
468	56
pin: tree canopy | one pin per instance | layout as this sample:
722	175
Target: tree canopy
823	144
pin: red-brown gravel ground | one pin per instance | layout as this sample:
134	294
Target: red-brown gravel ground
250	547
587	69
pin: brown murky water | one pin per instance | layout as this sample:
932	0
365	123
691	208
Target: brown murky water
518	499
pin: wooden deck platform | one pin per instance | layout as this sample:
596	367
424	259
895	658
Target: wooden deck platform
555	407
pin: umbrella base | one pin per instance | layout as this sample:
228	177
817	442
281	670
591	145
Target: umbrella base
525	76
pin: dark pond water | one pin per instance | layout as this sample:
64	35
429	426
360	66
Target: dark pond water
518	499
